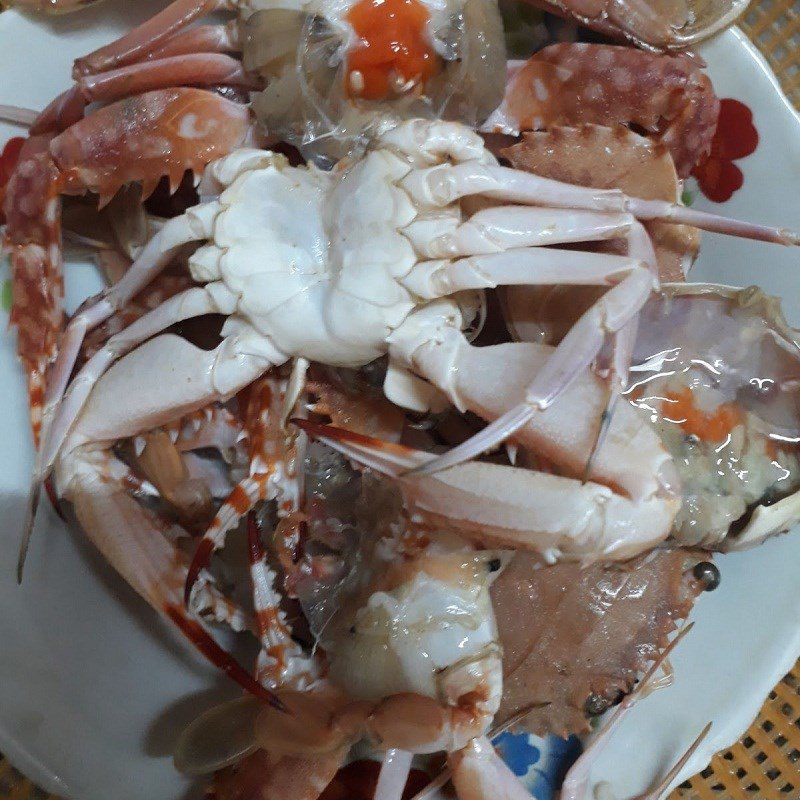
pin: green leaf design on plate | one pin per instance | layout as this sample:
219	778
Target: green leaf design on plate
6	296
687	197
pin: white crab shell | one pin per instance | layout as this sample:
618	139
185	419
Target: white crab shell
314	257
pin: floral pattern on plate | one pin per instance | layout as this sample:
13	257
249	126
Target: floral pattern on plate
541	763
736	137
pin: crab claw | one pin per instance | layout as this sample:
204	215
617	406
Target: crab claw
139	550
513	507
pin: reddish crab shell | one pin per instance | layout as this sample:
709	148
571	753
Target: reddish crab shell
668	97
614	158
575	639
651	24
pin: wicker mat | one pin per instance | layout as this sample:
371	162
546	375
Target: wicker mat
765	764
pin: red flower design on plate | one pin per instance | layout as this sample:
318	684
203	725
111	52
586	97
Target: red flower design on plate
735	137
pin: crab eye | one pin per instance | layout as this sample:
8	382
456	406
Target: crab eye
708	574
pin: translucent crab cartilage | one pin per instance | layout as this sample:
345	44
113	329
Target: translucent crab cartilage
271	475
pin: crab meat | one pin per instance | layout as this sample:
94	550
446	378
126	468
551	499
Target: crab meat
717	374
501	506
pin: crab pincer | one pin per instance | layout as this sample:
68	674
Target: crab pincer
118	144
669	97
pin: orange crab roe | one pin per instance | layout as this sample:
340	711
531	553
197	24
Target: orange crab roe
714	427
393	41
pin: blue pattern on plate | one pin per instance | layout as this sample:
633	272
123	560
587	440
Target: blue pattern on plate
517	751
540	763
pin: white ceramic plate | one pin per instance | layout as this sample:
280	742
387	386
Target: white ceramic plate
93	687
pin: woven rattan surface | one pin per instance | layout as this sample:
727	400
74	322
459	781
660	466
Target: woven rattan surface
765	764
774	25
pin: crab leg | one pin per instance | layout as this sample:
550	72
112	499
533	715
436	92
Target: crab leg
160	290
17	115
281	660
576	782
131	546
221	38
393	776
500	228
191	69
194	69
272	475
194	225
212	298
156	255
137	547
576	352
528	266
489	380
141	41
200	376
100	154
442	185
33	232
478	773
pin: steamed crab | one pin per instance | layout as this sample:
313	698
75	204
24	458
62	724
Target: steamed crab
388	292
409	659
161	87
386	289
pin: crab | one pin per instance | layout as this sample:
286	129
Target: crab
367	260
